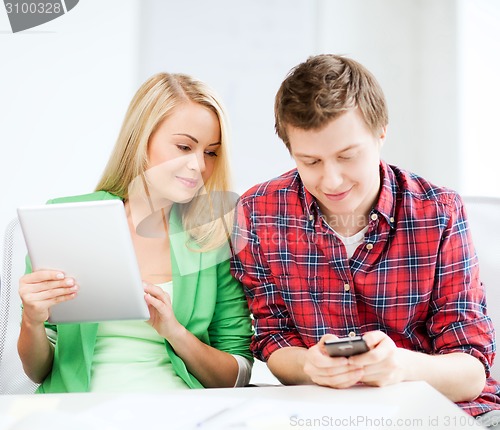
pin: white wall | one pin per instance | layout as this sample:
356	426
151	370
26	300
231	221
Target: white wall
479	76
64	88
411	48
244	49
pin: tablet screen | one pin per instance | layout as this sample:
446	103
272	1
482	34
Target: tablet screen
89	241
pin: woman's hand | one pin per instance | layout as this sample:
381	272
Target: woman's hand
162	317
213	368
42	289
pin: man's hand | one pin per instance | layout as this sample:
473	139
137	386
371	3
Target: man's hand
336	372
383	363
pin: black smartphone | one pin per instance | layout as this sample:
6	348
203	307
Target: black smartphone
346	347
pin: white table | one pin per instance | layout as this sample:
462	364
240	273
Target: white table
409	405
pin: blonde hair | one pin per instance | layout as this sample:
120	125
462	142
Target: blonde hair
324	87
205	219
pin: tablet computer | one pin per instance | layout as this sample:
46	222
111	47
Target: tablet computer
91	242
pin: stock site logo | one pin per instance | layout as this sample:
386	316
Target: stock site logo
24	14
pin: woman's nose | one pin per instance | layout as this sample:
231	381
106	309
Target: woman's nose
196	162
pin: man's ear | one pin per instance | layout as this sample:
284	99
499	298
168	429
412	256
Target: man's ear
382	135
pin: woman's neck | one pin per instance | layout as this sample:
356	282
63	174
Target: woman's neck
148	220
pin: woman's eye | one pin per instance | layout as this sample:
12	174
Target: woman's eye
210	153
183	148
312	163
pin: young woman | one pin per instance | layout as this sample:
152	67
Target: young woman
170	168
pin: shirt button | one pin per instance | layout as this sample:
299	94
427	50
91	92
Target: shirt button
311	217
369	246
391	219
352	334
374	217
347	287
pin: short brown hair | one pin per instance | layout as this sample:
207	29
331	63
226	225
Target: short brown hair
323	88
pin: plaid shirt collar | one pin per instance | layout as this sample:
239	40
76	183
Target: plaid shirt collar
385	206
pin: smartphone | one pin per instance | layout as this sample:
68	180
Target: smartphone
346	347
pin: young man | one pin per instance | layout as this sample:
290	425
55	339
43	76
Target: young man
346	245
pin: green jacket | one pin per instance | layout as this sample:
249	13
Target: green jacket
208	302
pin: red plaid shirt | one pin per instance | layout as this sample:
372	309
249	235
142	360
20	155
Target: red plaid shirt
415	277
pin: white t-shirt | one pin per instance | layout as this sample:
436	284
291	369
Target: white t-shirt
352	242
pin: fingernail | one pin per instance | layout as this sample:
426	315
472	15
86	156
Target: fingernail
69	282
60	276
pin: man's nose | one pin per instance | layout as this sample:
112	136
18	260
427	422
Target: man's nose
332	179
